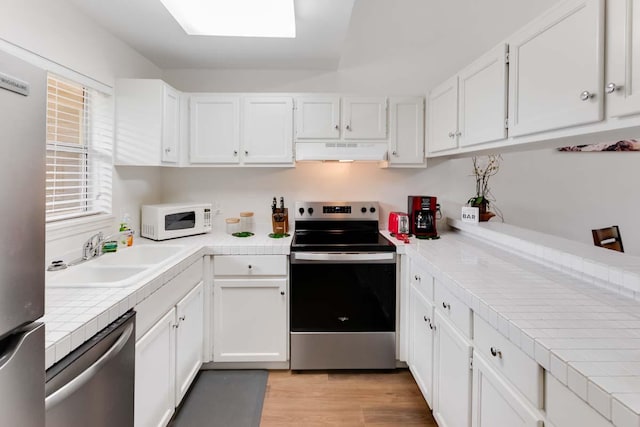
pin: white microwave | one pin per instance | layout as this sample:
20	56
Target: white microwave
171	220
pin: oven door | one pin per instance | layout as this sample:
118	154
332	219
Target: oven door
343	292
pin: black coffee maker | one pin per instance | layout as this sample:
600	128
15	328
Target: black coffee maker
422	216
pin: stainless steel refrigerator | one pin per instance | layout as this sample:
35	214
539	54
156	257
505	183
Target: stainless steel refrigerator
22	236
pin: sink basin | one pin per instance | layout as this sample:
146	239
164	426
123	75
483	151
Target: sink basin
138	255
91	275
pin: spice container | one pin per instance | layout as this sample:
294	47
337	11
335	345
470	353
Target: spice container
232	225
246	222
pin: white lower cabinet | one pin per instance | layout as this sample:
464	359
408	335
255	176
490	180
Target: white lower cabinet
250	308
168	357
421	343
496	403
452	375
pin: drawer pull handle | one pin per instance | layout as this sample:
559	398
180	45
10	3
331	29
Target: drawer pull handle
446	305
495	352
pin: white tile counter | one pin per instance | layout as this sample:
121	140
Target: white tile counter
582	329
73	315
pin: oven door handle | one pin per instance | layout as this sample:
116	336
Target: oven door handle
342	257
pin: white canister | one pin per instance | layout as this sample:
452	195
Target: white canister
246	222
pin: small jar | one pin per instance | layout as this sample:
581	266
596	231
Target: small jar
246	222
233	225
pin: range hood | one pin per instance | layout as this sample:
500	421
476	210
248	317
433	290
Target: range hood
341	151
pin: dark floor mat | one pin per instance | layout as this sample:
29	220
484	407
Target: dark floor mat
224	399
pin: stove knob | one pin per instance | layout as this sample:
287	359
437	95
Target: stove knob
310	210
363	210
301	210
372	209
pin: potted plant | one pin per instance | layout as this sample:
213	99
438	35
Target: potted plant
483	169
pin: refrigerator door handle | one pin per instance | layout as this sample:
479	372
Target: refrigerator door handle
12	348
77	382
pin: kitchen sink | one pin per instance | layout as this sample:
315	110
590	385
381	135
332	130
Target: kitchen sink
91	275
138	255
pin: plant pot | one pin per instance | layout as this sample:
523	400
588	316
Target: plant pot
484	213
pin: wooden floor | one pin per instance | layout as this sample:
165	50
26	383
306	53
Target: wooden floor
337	398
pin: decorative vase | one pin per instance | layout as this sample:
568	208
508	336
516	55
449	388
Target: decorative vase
484	213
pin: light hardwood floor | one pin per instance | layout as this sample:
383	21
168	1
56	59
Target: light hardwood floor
343	399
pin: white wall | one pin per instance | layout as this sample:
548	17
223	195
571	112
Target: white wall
57	31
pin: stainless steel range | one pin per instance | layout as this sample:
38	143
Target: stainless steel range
343	288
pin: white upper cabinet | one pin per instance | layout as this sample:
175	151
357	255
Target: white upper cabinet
406	131
622	84
556	69
322	117
267	135
364	117
318	117
215	129
170	124
443	116
482	110
147	123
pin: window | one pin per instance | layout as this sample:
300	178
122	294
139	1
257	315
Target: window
79	150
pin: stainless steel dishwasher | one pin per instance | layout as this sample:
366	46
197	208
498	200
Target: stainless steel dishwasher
94	384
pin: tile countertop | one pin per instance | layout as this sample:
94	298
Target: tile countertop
73	315
582	329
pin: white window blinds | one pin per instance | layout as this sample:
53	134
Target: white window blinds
79	150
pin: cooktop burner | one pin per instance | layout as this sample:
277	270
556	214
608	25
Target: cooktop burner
338	227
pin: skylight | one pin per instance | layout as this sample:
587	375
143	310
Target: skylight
234	18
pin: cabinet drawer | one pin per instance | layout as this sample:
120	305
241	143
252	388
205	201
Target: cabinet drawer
250	265
453	309
523	372
422	281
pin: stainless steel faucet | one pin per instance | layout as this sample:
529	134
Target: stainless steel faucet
93	246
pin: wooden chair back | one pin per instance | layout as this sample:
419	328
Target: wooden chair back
608	238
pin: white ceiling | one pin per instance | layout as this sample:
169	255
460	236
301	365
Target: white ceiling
146	25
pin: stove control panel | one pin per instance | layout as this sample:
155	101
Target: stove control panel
323	211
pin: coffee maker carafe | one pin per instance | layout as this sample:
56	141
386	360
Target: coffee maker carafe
422	216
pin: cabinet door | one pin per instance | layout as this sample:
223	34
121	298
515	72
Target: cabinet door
556	69
155	374
364	118
452	375
443	117
318	117
267	130
170	124
250	320
482	109
495	403
406	130
623	58
421	343
215	129
189	339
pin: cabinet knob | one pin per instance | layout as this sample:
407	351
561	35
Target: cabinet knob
612	87
246	152
586	95
395	153
181	318
167	150
250	266
426	319
175	326
417	277
495	352
458	133
281	292
235	152
446	305
432	326
349	127
336	127
452	134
